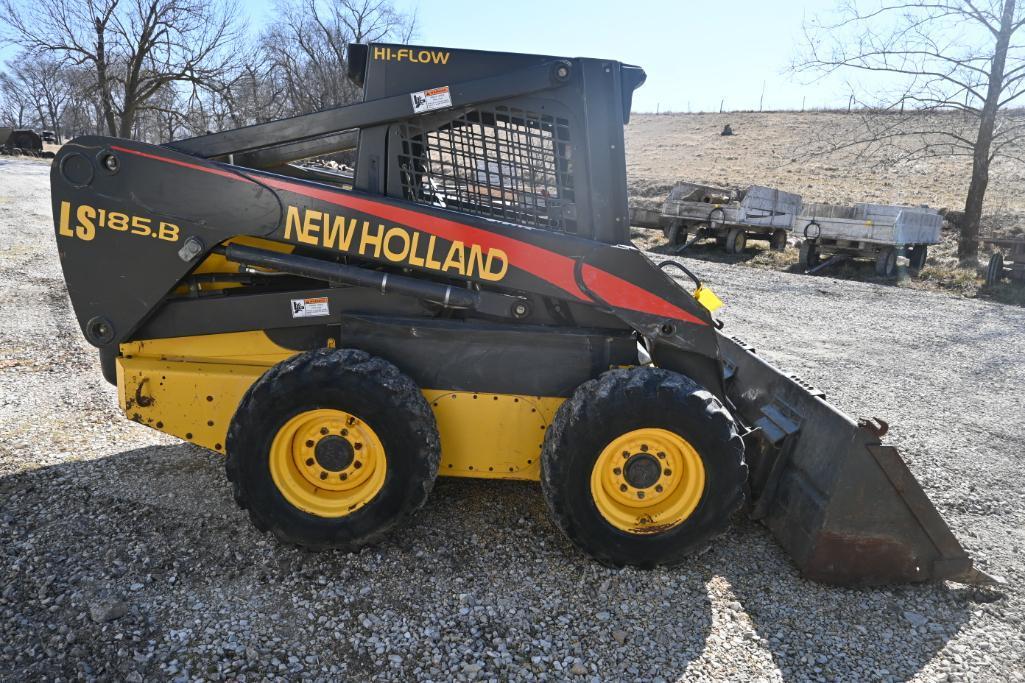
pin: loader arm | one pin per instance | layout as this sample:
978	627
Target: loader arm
508	265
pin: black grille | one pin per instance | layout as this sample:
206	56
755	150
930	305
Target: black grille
503	163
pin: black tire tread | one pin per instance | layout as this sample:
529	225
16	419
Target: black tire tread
635	382
299	372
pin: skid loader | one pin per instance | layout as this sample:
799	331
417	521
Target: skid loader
466	303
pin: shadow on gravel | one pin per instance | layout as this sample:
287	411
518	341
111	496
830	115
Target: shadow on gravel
481	583
705	250
816	631
140	562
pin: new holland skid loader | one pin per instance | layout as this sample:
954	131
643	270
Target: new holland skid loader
467	303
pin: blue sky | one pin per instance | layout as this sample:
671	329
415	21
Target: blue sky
695	53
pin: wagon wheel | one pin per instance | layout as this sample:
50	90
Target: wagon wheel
886	262
995	270
736	241
778	241
676	233
917	255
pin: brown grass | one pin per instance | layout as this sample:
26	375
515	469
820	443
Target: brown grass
773	149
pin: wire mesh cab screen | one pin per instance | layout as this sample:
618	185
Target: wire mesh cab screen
501	162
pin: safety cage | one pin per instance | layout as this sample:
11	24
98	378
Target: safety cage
501	162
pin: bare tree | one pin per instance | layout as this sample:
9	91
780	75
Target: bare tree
962	58
17	105
306	46
47	84
134	48
82	113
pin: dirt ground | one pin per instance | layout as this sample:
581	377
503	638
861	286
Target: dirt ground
778	149
122	556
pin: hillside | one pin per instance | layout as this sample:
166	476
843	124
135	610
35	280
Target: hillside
785	150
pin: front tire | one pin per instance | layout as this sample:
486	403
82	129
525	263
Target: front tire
886	262
676	233
642	467
736	241
332	449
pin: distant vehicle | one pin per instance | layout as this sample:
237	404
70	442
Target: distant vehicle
732	215
877	231
19	141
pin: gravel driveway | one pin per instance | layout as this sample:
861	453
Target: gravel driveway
122	556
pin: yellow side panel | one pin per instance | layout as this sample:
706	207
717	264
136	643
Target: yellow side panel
190	387
244	348
193	401
491	436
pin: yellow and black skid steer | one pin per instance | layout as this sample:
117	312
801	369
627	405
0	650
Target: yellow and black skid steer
465	303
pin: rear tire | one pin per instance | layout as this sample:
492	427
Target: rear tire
778	241
995	270
332	449
886	262
917	255
736	241
808	255
659	417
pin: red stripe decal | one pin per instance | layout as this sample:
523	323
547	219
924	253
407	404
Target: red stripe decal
547	265
197	167
623	294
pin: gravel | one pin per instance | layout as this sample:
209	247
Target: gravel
122	556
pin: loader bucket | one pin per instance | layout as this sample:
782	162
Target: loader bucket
844	506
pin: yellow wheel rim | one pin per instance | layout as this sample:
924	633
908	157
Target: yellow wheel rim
327	462
647	481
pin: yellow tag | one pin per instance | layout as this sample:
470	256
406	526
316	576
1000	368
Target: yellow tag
707	298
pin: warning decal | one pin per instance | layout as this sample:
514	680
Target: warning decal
429	100
310	308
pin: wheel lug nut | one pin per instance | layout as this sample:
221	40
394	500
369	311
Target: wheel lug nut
667	472
323	430
357	464
661	455
345	432
626	454
658	489
309	462
343	476
309	443
357	445
617	471
644	447
622	487
323	475
640	494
